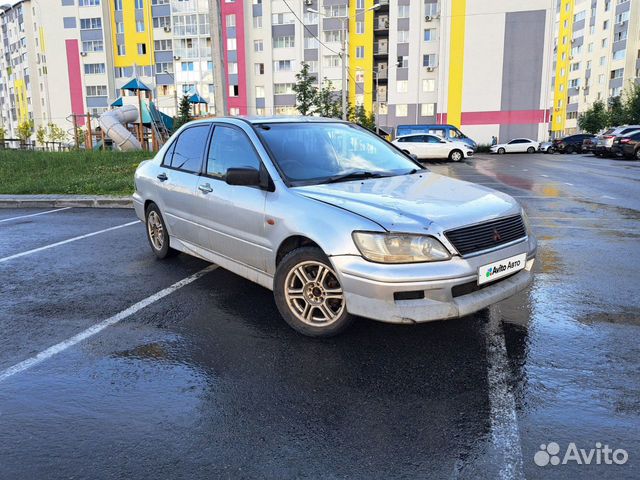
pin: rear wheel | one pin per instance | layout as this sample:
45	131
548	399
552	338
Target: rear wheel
531	150
309	295
570	149
455	155
157	233
637	155
501	151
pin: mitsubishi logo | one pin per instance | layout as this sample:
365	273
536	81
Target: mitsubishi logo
496	235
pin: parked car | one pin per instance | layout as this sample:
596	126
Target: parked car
545	147
448	132
431	147
515	146
571	143
627	145
335	220
589	144
605	141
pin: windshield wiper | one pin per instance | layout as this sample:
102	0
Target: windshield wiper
355	175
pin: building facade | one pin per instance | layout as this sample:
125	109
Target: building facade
596	55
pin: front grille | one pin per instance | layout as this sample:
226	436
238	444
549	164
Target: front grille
483	236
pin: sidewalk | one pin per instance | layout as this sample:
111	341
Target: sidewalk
94	201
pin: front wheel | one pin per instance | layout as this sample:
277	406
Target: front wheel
308	294
531	150
501	151
637	155
569	150
455	155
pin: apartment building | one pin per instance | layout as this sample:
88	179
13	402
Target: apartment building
596	54
24	92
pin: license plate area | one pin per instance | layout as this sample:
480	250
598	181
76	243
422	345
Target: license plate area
501	268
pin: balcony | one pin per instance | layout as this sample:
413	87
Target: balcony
381	49
381	25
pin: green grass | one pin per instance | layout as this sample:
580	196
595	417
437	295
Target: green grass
81	172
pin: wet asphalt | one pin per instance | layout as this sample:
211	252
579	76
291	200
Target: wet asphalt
209	382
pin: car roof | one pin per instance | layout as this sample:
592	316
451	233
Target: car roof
256	120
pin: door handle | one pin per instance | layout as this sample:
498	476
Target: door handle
205	188
162	177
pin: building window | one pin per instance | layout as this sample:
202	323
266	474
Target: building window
429	34
232	67
119	27
257	22
428	109
401	110
429	60
359	27
310	18
310	42
90	23
360	4
282	18
162	45
332	35
232	44
139	26
161	22
282	65
121	50
186	66
259	92
88	3
619	54
403	36
574	83
187	88
94	68
335	10
284	42
403	62
402	86
259	68
605	25
139	4
164	67
234	111
92	46
117	5
96	91
332	61
617	73
233	90
142	49
283	88
428	85
359	52
258	46
231	20
403	11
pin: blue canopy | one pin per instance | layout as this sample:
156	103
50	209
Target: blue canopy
117	103
134	85
196	98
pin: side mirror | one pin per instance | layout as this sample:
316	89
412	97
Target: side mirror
243	176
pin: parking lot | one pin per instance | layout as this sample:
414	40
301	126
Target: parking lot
116	365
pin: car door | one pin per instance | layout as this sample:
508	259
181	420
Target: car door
178	180
232	217
439	147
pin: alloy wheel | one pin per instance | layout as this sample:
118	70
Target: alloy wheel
313	293
156	230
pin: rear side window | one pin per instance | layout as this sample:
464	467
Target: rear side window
187	151
230	148
627	130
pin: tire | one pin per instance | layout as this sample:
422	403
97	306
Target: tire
157	234
456	155
531	150
301	297
501	151
569	150
637	155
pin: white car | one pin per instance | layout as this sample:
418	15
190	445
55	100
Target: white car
425	146
516	145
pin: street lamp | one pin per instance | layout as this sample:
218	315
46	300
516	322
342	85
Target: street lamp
343	51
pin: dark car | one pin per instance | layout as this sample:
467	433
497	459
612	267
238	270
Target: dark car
571	144
627	145
589	145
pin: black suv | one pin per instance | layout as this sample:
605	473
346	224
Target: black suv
571	144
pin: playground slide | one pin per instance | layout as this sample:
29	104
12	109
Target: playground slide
113	122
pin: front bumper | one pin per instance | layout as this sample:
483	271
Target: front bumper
448	289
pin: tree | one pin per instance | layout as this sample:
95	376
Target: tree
3	135
41	135
55	133
616	112
306	91
326	104
25	129
594	119
632	105
184	113
360	116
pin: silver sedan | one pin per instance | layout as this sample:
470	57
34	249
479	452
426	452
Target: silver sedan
333	219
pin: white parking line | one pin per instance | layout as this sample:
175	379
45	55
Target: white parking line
505	434
91	331
34	214
46	247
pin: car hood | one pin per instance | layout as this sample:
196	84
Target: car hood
415	203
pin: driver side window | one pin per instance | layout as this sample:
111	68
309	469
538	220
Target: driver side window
230	148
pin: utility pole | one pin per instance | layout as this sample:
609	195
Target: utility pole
343	54
217	56
376	72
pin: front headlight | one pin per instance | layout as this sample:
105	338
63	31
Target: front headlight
399	247
525	220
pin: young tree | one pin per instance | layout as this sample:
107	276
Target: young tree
594	118
616	112
632	105
25	129
184	113
360	116
326	104
55	133
306	91
41	135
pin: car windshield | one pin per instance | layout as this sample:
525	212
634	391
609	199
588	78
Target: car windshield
310	153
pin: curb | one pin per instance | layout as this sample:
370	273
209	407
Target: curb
52	201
